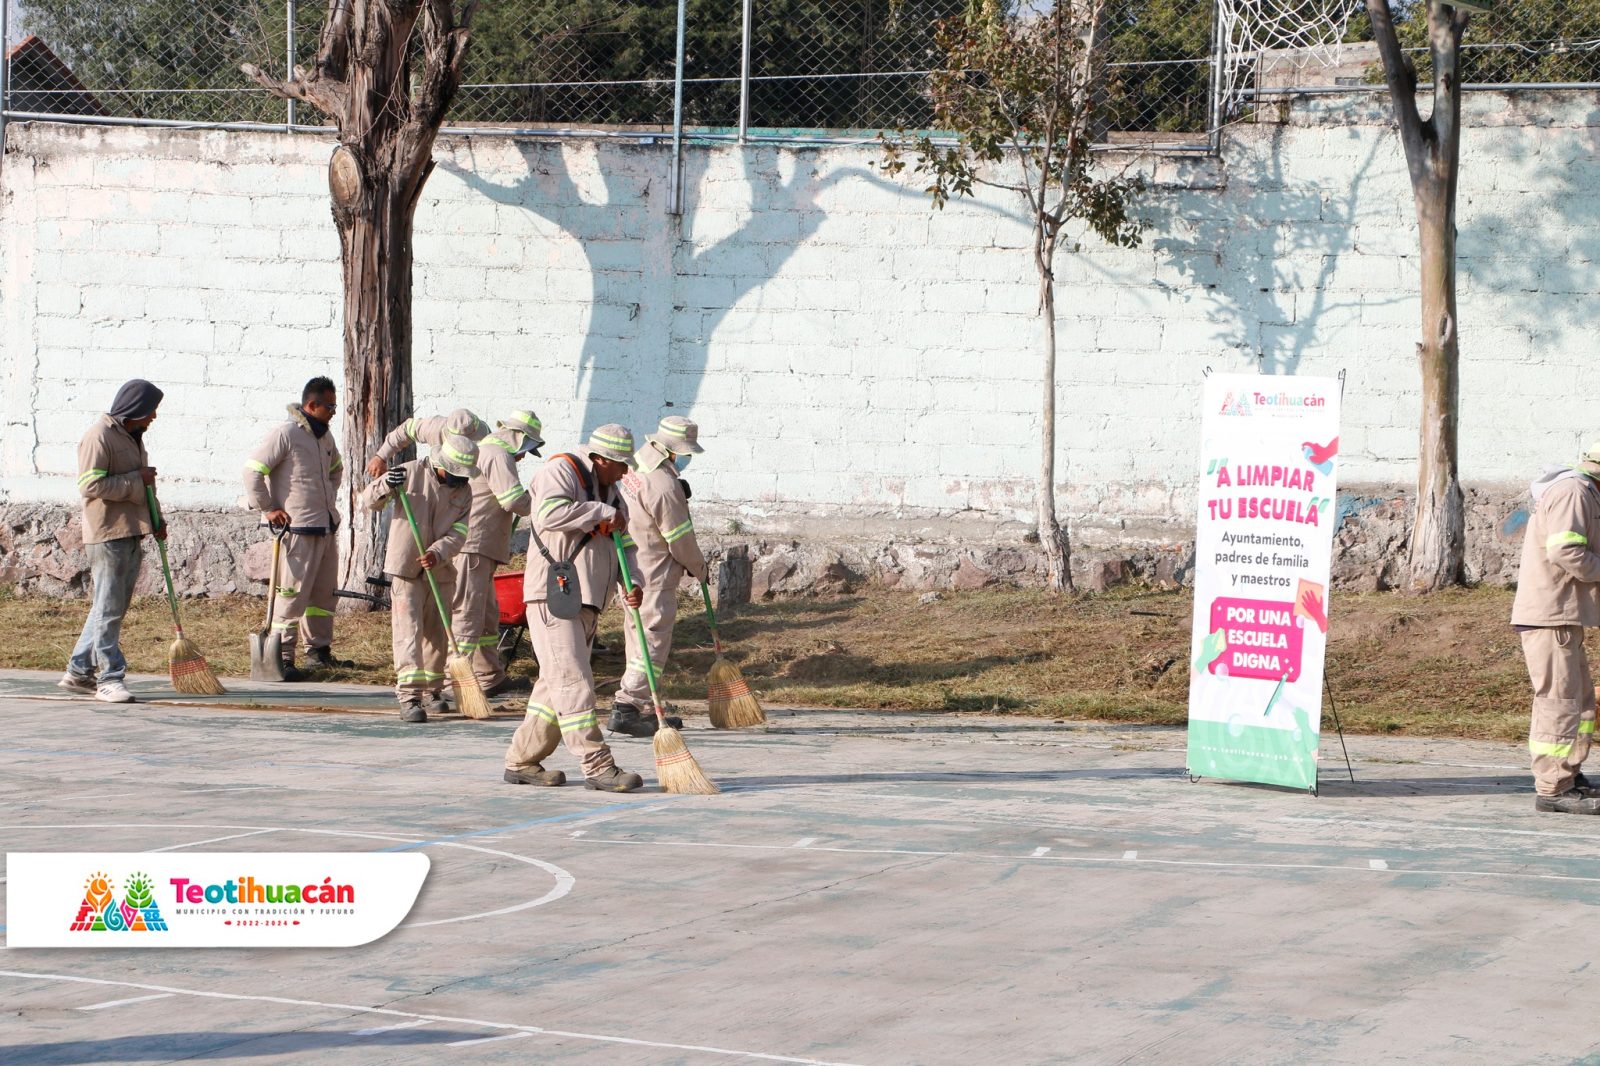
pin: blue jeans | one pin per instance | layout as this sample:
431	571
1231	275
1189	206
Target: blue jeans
113	570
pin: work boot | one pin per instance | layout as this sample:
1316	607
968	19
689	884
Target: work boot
535	775
1570	802
322	658
1584	785
292	672
411	711
614	780
630	721
434	701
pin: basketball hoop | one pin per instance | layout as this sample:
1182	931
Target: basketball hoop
1294	31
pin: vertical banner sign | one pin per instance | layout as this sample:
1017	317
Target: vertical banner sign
1263	555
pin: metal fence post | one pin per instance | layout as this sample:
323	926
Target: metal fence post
288	65
744	74
5	69
1214	107
675	199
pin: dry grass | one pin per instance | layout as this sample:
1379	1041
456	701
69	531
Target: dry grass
1444	665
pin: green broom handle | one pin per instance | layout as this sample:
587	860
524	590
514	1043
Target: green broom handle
711	617
438	600
166	571
638	622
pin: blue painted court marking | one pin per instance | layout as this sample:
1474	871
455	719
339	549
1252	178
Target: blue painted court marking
570	816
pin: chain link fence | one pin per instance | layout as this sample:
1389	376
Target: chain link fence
764	69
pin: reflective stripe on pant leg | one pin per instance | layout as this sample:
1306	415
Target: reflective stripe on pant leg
316	625
1562	694
571	684
540	732
296	572
407	598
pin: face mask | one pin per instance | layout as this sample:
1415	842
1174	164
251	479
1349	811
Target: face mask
681	461
455	481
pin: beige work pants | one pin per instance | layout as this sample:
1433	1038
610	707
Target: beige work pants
1563	706
660	611
420	646
308	575
561	708
475	617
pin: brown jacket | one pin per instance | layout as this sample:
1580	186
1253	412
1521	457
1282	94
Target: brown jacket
295	471
497	492
441	514
1559	580
114	504
658	521
565	510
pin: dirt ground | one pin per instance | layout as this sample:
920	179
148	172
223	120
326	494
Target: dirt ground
1443	665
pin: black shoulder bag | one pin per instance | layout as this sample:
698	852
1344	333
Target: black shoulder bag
562	594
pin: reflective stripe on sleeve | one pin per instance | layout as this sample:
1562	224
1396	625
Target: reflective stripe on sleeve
459	527
512	494
551	503
677	533
261	468
1558	540
90	475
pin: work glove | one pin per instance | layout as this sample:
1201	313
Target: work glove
396	477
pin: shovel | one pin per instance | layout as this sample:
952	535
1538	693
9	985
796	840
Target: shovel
266	646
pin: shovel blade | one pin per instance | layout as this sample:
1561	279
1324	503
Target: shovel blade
266	657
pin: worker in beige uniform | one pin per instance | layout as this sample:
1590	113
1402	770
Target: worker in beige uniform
440	497
113	474
659	522
1558	596
572	568
428	432
497	496
293	479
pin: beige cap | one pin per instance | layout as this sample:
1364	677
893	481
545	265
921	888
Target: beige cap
612	441
463	423
678	435
455	455
526	423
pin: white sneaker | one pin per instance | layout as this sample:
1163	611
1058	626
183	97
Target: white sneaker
73	683
114	692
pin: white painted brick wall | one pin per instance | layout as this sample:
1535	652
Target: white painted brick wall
846	349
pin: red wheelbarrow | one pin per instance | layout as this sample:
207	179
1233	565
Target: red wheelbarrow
513	614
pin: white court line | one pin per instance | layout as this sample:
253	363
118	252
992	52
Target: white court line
531	1030
563	885
1515	875
804	842
230	788
1377	864
214	840
576	833
125	1002
391	1028
1037	852
1130	855
488	1039
1565	838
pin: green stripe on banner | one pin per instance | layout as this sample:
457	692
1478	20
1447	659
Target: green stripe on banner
1246	752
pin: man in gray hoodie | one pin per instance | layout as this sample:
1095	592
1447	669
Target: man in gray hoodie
1558	595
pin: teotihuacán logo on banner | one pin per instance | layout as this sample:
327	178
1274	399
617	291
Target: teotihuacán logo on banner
234	899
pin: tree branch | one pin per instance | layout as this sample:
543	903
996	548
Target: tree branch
1402	79
326	96
444	52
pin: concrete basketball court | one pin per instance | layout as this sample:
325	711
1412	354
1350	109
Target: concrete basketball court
870	888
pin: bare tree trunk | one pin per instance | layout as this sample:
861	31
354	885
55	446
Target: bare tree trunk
1433	154
376	252
1052	538
387	126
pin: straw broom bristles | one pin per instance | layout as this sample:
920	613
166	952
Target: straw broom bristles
676	768
729	700
190	672
470	699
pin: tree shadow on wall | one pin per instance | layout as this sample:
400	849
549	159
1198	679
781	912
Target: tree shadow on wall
1266	258
658	297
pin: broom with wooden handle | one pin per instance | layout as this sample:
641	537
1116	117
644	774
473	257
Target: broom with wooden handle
729	701
675	766
469	695
186	666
